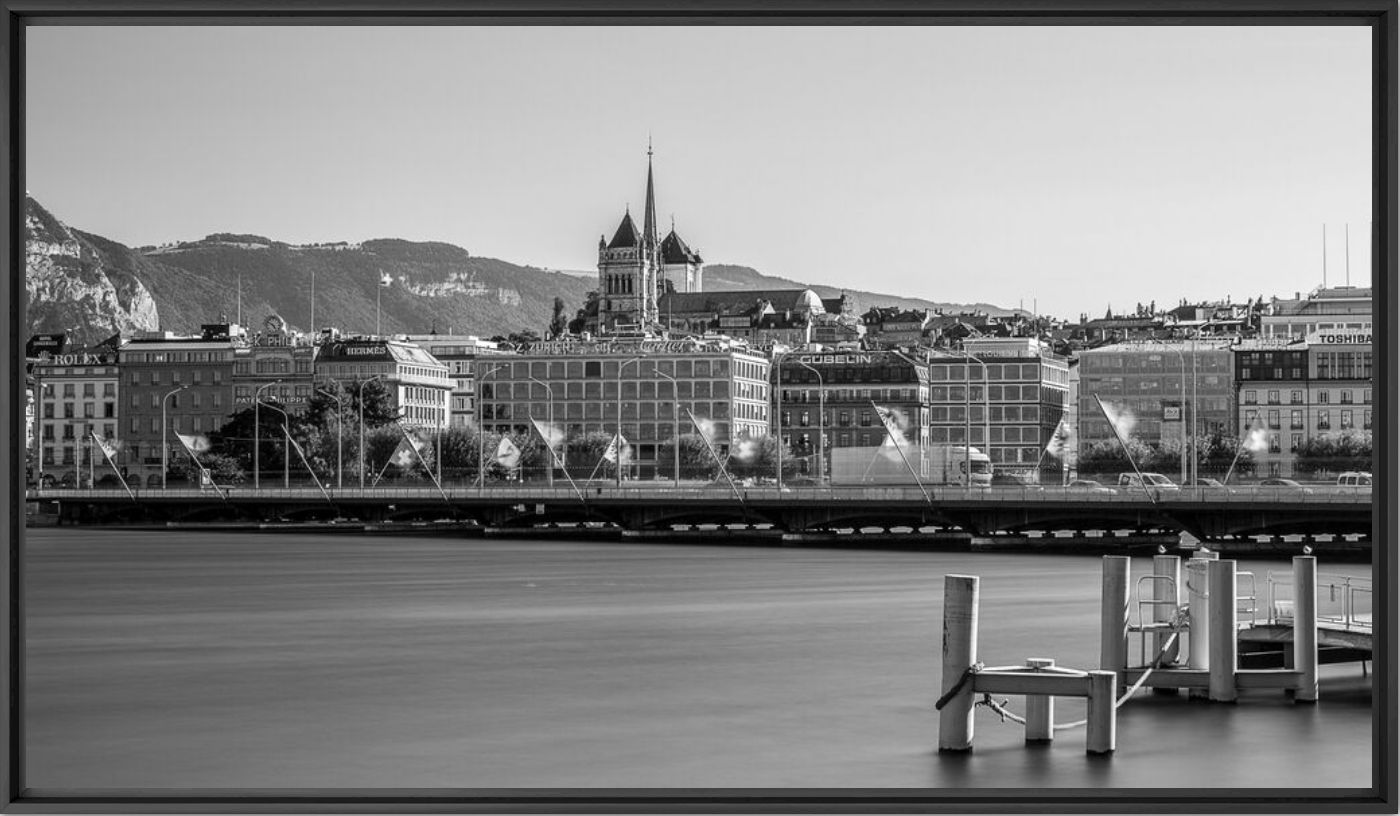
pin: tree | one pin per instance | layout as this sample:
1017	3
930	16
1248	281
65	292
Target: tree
1329	455
1107	457
585	454
223	469
585	315
696	459
757	458
558	324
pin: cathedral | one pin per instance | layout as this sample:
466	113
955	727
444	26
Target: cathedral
636	268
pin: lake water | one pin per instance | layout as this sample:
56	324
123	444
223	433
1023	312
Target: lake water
239	660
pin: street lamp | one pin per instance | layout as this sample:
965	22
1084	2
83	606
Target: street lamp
675	422
967	414
1185	446
620	369
257	400
549	443
821	423
778	412
481	426
164	445
286	445
361	398
339	438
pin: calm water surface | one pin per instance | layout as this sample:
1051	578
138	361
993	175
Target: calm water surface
230	660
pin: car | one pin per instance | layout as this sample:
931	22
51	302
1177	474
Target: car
1003	479
1357	479
1090	486
1276	484
1209	485
1156	481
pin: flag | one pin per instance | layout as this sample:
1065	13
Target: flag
614	448
107	446
507	454
384	279
1058	440
193	444
406	451
891	423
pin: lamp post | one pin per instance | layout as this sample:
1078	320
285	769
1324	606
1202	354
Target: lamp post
967	414
481	427
821	423
1184	443
165	445
675	423
621	367
361	399
549	443
286	445
778	413
257	401
339	438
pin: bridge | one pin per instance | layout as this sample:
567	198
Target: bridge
1211	515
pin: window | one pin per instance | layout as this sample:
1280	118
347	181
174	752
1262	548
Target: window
89	389
1366	420
1273	398
89	410
1295	397
48	410
1295	420
68	409
68	390
47	435
1251	397
1346	420
1324	420
1323	396
1346	396
1295	442
1273	443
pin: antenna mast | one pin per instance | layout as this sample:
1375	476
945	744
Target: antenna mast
1348	255
1324	255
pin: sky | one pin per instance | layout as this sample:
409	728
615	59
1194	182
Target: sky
1067	168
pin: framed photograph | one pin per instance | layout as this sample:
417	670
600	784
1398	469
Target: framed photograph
575	407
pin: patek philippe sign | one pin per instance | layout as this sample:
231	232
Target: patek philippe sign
1340	339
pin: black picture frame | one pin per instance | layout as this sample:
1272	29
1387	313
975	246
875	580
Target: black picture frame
1381	15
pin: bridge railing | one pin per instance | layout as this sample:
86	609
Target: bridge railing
1343	601
758	493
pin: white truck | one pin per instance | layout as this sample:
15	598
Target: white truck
935	465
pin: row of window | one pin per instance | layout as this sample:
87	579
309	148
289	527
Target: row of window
982	413
177	377
997	393
994	371
1296	421
833	374
70	390
1295	397
1169	361
176	356
603	411
880	395
552	371
76	431
608	390
864	418
631	431
70	410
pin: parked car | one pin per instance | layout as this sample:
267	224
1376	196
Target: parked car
1156	483
1277	484
1208	486
1003	479
1355	479
1090	486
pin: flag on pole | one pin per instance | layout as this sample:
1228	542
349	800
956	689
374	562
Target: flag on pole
108	448
193	444
891	423
406	451
384	279
1058	440
507	454
615	448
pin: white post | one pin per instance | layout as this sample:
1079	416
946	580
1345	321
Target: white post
1166	587
1113	630
1224	632
1040	708
1103	713
960	599
1198	603
1305	627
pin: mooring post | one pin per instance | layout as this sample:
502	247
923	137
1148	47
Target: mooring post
1113	631
1305	627
1167	594
1224	631
960	599
1103	713
1198	606
1040	708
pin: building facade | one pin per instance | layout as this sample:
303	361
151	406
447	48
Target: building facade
835	393
1325	309
1292	393
1007	396
462	354
277	367
1160	389
418	382
172	384
645	388
78	397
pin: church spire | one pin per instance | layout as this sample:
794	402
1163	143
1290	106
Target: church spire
649	222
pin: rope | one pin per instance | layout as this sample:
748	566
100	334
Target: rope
1179	621
958	686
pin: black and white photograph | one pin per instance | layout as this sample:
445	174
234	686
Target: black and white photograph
602	411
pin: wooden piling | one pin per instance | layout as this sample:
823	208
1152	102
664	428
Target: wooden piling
960	601
1113	628
1040	708
1305	627
1224	631
1103	713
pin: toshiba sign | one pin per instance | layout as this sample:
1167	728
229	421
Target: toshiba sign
1340	339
